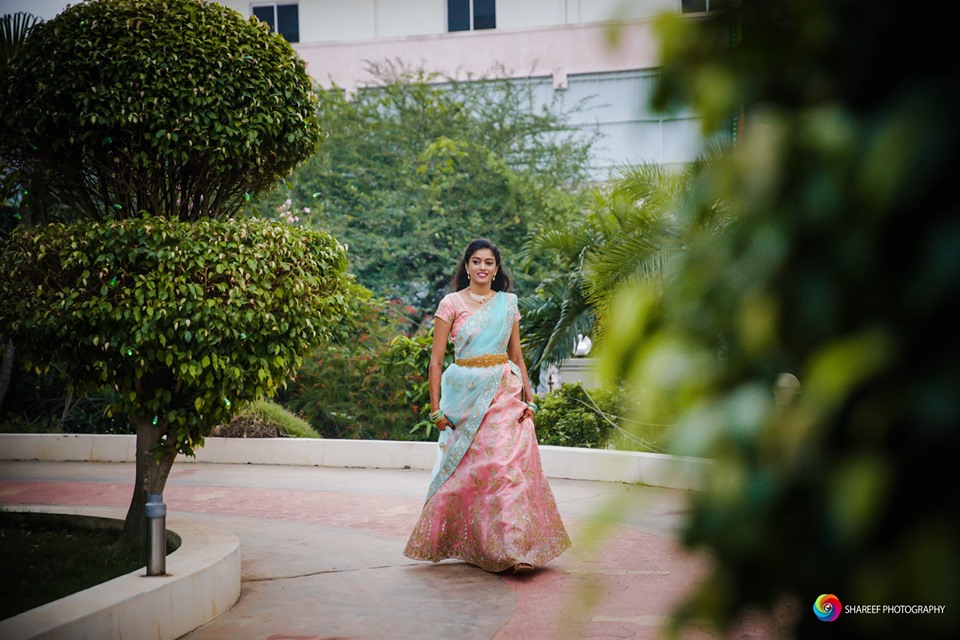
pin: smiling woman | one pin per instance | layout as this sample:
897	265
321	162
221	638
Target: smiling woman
488	502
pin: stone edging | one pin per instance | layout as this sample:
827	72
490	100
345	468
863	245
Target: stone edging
202	583
653	469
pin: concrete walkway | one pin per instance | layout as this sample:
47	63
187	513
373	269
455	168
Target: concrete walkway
322	555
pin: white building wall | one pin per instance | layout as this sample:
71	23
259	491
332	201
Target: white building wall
353	20
605	10
334	21
561	47
346	20
532	14
45	9
401	18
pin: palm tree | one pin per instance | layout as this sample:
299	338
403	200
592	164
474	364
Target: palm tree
14	28
558	311
640	233
13	32
630	233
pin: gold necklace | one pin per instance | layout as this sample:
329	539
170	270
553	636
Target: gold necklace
476	298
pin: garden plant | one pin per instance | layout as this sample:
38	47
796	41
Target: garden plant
153	122
839	264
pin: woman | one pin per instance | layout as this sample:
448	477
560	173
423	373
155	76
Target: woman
488	503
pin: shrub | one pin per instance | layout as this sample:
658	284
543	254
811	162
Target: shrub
408	359
265	419
369	382
46	403
154	308
573	417
177	107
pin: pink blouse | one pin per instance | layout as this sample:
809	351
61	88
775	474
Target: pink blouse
453	309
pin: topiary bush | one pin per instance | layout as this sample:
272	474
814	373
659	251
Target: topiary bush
186	321
179	107
182	110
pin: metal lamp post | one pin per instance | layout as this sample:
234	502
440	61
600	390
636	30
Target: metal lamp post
156	512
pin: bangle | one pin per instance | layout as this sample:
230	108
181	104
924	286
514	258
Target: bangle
533	408
436	416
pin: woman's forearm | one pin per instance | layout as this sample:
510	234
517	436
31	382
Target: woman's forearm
527	389
433	375
515	353
441	331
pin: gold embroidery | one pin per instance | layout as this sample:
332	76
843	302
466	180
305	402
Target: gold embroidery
487	360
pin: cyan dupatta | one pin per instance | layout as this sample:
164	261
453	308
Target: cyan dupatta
466	392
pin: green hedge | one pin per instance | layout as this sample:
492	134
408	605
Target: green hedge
571	416
186	321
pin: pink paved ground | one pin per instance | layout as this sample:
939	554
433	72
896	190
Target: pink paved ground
617	582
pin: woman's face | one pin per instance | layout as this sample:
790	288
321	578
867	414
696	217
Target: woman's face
482	266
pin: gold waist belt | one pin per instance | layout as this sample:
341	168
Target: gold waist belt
488	360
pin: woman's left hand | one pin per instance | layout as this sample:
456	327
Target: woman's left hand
527	414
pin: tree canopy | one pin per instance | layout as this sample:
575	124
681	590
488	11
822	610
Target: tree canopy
155	120
414	168
178	107
187	319
629	233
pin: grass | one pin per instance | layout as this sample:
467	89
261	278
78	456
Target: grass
48	556
291	425
265	419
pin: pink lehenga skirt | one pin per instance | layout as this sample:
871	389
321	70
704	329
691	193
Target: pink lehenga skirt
496	509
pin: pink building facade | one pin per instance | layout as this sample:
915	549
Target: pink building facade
602	51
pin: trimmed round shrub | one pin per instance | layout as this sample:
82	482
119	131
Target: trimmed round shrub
175	107
185	320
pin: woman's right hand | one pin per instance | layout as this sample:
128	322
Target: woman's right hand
443	423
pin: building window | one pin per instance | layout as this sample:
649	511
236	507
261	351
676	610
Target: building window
471	15
283	17
701	6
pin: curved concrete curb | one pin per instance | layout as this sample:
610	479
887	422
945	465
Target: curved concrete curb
203	582
653	469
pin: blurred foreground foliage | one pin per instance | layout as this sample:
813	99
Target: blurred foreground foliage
841	264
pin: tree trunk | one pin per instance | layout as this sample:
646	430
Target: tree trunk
151	477
6	371
67	406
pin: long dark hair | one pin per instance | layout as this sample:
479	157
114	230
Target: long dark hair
501	282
